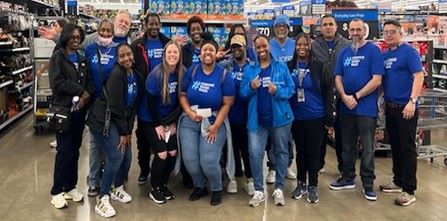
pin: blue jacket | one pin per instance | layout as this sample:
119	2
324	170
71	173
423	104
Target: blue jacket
285	88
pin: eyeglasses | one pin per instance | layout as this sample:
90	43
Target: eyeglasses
391	32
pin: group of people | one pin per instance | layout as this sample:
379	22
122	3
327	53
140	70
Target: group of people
195	105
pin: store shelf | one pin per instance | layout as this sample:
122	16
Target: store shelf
15	49
440	90
87	16
4	84
32	3
27	85
22	70
15	117
439	61
439	76
207	21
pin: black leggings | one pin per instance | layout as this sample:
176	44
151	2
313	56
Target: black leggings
308	136
239	135
143	146
161	168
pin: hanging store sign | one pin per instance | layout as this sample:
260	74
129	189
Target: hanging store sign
369	16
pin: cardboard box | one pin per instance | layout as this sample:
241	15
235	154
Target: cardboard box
179	31
166	30
215	7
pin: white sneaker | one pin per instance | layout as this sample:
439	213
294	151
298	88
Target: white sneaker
258	198
120	195
74	195
59	201
271	177
290	174
278	198
249	186
232	186
103	207
53	144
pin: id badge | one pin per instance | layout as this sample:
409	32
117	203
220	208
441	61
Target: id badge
104	60
300	95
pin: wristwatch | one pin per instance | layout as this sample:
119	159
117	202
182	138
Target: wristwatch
414	100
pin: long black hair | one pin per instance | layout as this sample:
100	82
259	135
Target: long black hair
315	67
67	32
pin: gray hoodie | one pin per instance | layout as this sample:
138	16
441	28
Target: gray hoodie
320	50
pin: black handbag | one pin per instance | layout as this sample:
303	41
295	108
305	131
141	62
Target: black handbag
58	118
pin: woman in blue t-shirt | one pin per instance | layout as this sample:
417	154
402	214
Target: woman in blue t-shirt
312	107
267	85
161	86
111	122
101	57
207	93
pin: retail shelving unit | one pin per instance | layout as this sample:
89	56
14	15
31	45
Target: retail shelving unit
439	65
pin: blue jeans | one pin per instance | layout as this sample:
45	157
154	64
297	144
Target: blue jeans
117	163
353	127
200	157
256	144
96	158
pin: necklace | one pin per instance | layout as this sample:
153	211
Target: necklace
106	52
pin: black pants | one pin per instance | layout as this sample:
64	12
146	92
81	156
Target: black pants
143	146
308	136
338	143
161	168
402	135
67	156
239	135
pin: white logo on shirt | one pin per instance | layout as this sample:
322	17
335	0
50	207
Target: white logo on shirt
172	87
266	81
353	61
389	62
155	53
237	75
201	86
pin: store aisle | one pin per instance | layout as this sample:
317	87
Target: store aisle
26	168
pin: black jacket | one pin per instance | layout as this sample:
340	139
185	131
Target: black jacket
140	53
187	52
66	81
322	81
122	116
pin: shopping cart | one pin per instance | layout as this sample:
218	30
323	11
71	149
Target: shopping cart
432	115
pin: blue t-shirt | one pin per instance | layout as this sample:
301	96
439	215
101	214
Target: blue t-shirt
132	90
357	70
195	56
239	110
330	45
153	87
313	105
400	65
265	111
283	52
207	91
154	52
74	59
120	40
107	61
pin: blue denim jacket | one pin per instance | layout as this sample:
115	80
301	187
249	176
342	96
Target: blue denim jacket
280	75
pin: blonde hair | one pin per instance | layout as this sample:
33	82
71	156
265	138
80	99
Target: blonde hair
164	72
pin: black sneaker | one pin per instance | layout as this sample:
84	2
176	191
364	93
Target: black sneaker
157	196
167	193
93	191
142	179
187	183
216	198
198	193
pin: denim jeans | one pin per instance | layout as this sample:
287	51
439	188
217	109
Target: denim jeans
402	138
271	154
65	174
256	144
200	157
353	127
117	163
95	159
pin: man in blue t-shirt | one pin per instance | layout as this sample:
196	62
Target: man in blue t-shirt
148	53
358	74
282	47
403	81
